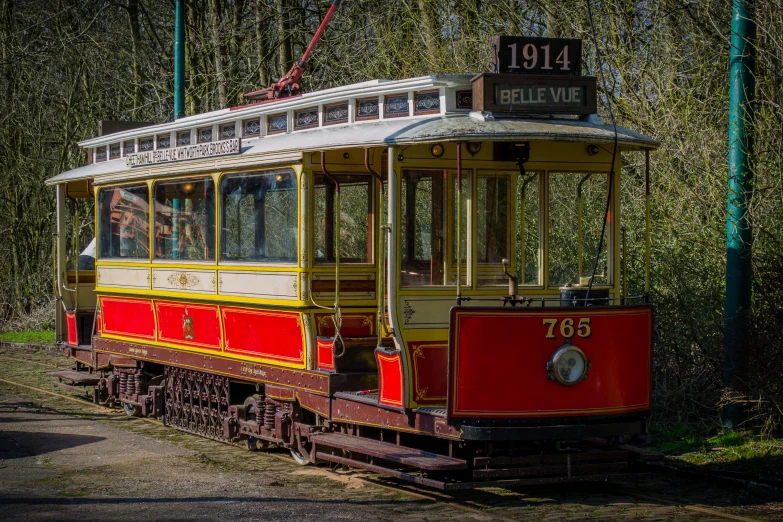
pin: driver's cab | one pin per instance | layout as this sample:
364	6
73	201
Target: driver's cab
75	249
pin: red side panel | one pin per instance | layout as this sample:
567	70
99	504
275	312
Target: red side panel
430	361
70	319
325	354
128	317
390	376
271	335
498	358
357	325
188	324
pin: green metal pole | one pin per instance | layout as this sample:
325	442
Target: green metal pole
738	232
179	60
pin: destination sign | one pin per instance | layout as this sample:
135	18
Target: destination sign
510	93
543	56
187	152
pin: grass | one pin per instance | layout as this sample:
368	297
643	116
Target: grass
28	337
735	451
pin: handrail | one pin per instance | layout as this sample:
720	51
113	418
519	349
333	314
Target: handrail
647	221
459	223
381	255
337	317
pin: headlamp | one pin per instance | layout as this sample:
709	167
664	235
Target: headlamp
568	365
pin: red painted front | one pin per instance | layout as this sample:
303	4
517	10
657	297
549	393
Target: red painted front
271	335
497	362
73	337
188	324
128	317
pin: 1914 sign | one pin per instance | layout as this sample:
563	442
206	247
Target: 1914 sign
187	152
511	93
544	56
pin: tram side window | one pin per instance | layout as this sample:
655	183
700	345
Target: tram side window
259	217
576	198
185	220
423	228
355	219
124	222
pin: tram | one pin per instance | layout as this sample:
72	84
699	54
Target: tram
419	277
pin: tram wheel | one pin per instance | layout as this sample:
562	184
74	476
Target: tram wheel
131	410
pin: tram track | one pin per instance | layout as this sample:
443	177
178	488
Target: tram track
407	489
15	359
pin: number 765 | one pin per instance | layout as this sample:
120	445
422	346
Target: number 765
567	329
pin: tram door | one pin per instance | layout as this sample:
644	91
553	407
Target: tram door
75	287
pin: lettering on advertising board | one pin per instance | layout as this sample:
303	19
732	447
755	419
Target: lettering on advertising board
187	152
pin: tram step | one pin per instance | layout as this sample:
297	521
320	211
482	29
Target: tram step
372	448
357	353
80	378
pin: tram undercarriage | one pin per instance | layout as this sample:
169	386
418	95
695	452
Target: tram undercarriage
321	423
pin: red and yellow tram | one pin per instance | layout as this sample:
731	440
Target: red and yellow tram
393	275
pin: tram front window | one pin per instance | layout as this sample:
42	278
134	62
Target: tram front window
259	217
123	216
492	228
355	219
423	228
576	198
507	227
184	220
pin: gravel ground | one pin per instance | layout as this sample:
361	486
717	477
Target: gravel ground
62	459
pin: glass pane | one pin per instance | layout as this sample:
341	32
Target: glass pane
572	250
80	234
463	231
492	228
124	222
355	222
184	220
259	217
423	228
528	235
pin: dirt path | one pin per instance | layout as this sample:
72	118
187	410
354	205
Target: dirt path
62	459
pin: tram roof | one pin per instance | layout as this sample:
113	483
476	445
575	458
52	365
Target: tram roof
449	124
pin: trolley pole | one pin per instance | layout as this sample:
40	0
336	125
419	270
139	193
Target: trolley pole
742	86
179	60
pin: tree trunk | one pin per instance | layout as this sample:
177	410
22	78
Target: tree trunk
192	99
262	41
283	36
216	10
133	19
428	32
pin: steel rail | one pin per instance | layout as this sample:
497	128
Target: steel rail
406	489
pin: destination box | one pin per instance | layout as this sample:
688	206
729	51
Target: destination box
516	94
